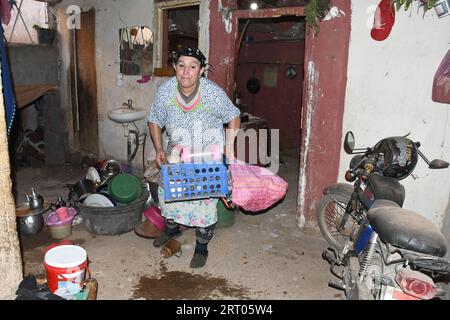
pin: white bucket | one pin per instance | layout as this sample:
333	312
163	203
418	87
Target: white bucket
65	266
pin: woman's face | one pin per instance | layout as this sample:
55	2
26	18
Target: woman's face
188	70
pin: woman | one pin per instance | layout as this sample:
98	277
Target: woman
193	110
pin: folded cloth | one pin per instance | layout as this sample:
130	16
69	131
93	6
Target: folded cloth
255	188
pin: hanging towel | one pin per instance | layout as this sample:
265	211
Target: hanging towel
8	94
5	10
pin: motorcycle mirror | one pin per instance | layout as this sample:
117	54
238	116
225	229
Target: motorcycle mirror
349	142
438	164
435	164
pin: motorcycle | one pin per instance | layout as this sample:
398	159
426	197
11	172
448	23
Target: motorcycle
382	250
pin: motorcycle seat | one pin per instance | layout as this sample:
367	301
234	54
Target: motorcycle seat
406	229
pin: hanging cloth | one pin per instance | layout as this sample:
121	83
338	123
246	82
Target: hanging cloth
5	11
8	94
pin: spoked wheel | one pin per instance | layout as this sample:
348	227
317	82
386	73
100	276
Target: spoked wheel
330	212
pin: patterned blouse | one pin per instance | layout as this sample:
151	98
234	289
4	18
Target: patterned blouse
196	126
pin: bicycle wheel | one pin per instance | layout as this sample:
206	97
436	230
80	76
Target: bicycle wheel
330	212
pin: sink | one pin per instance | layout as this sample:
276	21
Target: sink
126	115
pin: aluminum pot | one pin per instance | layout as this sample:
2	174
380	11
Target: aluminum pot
30	225
30	221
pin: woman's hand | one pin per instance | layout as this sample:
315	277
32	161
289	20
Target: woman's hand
229	152
160	157
231	133
155	132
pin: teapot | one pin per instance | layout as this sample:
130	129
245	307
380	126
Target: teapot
35	200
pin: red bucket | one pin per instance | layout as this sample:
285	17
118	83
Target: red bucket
65	265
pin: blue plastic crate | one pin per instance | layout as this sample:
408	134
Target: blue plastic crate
189	181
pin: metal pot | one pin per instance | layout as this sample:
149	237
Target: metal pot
30	221
30	225
110	168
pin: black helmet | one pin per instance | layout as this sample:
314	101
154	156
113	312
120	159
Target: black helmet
397	157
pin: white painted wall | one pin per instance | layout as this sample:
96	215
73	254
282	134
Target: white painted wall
110	17
389	93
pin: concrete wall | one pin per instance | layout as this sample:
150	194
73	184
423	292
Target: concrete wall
33	64
110	17
389	93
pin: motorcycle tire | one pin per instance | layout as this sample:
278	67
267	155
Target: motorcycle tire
330	211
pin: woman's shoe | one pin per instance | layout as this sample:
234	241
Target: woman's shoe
199	259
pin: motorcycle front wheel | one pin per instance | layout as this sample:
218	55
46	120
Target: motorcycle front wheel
330	212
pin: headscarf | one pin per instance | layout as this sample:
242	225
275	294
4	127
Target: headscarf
191	52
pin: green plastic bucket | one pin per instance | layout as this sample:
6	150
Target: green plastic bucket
225	216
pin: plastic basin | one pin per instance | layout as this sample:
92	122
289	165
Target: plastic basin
114	220
125	188
154	215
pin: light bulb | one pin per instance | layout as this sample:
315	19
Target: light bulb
253	6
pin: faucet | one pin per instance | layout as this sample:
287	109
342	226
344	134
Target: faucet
129	104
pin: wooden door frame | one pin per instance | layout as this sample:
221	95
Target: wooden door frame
75	88
161	30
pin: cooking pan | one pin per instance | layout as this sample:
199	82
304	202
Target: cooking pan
253	84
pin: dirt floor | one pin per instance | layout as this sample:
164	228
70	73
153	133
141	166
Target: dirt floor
262	256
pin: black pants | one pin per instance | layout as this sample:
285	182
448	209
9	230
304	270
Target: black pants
203	234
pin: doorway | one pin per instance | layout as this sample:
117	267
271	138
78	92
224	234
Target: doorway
272	30
177	26
182	30
271	55
84	89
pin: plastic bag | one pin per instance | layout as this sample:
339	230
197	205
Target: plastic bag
441	83
255	188
60	216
